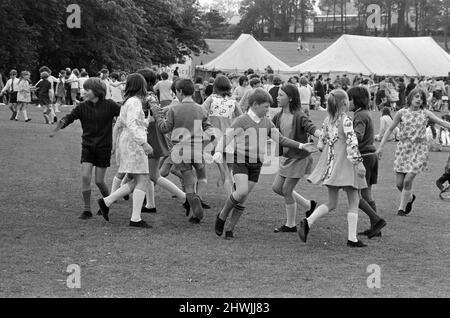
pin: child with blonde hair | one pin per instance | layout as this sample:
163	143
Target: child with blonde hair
340	167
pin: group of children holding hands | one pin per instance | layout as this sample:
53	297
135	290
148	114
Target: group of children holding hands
218	131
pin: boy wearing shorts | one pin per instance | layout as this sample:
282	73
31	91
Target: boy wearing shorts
187	121
249	155
96	115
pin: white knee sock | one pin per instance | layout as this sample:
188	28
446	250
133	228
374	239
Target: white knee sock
405	197
25	115
116	184
317	214
291	211
138	200
150	195
306	204
352	219
119	193
172	188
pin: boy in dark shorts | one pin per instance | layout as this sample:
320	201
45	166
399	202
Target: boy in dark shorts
249	155
363	127
96	115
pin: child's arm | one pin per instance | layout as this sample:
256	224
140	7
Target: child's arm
283	141
165	124
352	142
67	120
432	117
237	110
207	104
309	127
397	119
359	127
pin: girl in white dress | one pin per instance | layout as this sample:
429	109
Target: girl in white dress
132	150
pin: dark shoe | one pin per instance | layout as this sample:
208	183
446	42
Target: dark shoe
141	224
187	207
126	198
86	215
229	235
401	213
194	220
376	228
55	120
303	231
205	205
311	210
28	120
195	204
285	229
408	208
220	224
147	210
356	244
440	185
103	208
366	232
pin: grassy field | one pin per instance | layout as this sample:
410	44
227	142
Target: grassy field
40	235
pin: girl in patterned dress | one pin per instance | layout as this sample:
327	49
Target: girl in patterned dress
340	166
411	156
132	150
222	109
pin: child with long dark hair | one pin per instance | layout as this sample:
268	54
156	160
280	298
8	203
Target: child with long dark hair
340	167
411	156
294	163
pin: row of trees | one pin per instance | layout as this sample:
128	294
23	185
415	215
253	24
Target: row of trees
120	34
273	19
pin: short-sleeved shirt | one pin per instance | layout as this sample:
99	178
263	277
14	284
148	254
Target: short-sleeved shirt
165	90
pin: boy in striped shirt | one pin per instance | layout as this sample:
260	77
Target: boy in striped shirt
249	131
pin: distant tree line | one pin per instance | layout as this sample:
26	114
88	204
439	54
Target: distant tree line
120	34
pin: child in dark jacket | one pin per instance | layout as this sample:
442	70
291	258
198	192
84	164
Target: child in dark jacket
294	163
363	127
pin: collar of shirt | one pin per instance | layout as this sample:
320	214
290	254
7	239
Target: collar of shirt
253	116
188	100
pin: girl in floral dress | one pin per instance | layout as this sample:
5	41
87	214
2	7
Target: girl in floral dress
411	156
222	109
132	150
340	166
24	95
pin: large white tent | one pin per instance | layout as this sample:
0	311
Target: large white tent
419	56
243	54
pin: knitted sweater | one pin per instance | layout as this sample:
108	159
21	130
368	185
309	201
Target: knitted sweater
251	139
302	126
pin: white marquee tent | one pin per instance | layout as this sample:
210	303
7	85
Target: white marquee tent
418	56
243	54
